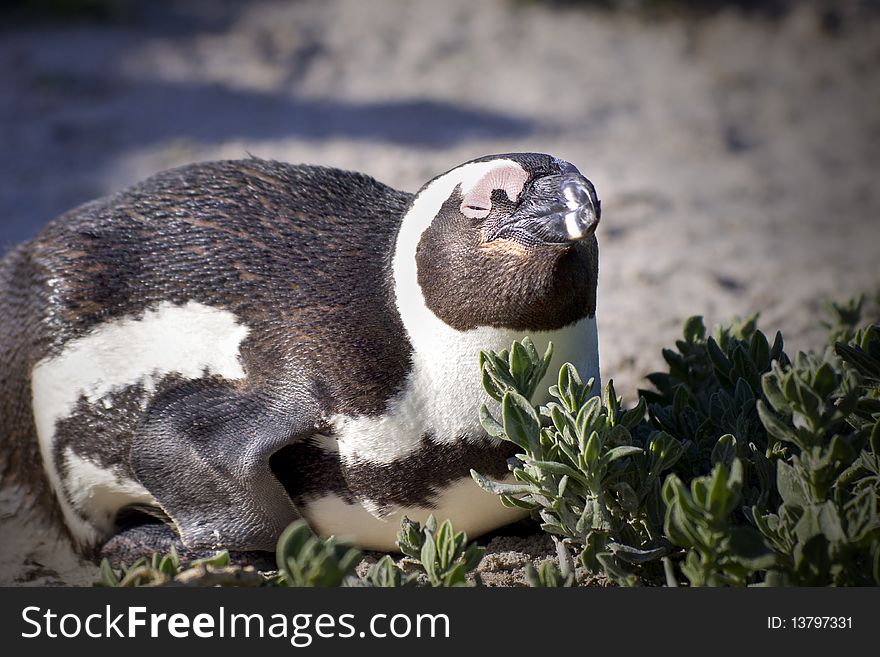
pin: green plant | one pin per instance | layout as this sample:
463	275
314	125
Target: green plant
594	484
825	411
303	560
843	319
443	554
795	426
710	391
307	560
169	570
385	573
768	466
701	518
548	575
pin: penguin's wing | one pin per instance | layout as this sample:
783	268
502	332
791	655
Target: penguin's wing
203	453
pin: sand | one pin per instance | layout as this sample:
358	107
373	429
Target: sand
736	155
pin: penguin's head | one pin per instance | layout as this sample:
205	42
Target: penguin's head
506	241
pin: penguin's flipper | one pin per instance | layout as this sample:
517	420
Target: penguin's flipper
203	453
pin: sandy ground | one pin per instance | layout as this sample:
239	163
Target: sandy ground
736	156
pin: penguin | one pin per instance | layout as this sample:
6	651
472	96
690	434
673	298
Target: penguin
229	346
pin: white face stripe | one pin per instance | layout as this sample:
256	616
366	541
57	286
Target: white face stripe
435	397
190	340
410	302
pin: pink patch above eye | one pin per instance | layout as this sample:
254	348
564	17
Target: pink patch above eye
507	176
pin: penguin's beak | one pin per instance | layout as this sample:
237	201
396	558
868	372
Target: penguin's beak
558	209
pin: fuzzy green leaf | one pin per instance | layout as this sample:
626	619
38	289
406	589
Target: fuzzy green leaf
521	423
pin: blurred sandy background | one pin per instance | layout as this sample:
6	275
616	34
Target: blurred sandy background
736	150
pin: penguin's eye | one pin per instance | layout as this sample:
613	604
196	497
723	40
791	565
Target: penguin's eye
474	211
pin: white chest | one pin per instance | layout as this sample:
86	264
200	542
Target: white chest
442	394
